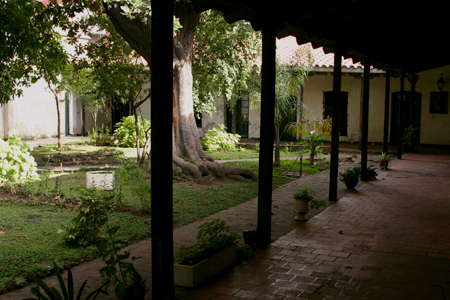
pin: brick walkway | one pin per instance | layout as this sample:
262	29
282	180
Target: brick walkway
390	239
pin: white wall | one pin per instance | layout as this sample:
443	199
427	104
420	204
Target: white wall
33	115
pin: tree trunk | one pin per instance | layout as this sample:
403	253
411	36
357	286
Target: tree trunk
59	119
186	140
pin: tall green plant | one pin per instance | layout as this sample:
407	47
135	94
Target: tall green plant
314	140
289	77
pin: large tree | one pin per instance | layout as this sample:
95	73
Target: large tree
133	22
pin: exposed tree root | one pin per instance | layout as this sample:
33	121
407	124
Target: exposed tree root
206	167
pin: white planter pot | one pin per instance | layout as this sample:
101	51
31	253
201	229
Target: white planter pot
190	276
301	208
100	179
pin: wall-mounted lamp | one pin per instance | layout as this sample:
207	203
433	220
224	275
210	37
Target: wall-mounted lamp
441	83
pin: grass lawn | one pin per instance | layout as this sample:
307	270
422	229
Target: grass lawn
31	219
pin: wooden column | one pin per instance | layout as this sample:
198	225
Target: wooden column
267	135
365	121
400	116
161	158
334	155
387	96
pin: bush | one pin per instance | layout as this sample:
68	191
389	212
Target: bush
219	139
16	164
125	132
99	136
211	238
85	228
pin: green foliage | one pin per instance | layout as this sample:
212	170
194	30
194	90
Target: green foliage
29	42
307	194
30	239
314	140
308	123
67	293
350	177
16	164
222	64
125	132
384	156
99	136
212	237
85	228
409	136
219	139
120	274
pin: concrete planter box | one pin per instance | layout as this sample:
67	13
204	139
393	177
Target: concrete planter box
100	179
190	276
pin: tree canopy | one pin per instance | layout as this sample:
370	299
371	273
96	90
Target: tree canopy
28	42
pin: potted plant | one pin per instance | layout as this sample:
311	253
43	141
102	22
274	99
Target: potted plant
350	177
384	160
303	199
215	249
122	275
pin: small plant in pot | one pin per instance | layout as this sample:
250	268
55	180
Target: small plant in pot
303	199
384	160
121	274
350	177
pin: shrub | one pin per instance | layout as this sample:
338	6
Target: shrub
85	228
16	163
219	139
125	132
99	136
212	238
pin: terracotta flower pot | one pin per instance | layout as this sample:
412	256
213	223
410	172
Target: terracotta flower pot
384	164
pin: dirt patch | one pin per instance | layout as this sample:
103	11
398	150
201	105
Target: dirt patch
90	158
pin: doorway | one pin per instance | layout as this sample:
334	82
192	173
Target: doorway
411	114
119	110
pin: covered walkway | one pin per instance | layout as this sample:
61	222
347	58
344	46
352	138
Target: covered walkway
390	239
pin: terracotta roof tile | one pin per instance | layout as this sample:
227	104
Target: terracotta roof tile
288	47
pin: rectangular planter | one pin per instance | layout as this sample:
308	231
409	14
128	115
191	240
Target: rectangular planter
190	276
100	179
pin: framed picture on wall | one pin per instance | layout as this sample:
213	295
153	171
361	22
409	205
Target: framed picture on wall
438	102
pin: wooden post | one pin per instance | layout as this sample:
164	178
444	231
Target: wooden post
161	159
413	82
365	122
267	134
387	96
400	116
334	152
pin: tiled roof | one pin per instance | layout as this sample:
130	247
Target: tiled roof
288	49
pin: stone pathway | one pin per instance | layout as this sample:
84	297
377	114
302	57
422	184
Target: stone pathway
389	239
